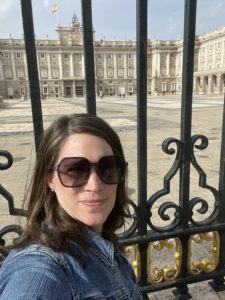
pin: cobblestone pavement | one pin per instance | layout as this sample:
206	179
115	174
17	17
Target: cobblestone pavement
16	136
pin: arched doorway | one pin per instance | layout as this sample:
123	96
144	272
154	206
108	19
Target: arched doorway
214	84
197	85
205	84
222	83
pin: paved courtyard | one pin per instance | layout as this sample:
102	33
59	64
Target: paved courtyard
163	113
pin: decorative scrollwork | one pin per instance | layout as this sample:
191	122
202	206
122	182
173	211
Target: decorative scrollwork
8	156
4	166
202	183
167	272
166	190
133	255
135	221
4	231
204	265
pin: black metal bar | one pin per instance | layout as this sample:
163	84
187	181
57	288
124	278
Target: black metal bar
186	123
222	169
181	281
29	38
89	56
142	8
186	110
155	236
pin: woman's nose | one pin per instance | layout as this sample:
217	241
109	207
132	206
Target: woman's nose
94	182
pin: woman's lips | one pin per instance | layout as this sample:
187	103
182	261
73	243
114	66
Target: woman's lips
93	203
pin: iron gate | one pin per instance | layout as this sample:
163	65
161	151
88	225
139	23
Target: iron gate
142	236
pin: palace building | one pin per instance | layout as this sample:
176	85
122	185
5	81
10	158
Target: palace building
61	65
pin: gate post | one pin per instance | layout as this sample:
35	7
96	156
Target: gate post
29	38
186	123
142	8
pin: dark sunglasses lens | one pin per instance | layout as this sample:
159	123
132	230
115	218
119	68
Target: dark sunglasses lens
73	171
110	170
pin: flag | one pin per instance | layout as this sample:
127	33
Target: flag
54	8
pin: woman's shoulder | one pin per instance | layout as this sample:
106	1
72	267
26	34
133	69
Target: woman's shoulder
34	251
35	266
32	256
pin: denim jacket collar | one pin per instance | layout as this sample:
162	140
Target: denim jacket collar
101	247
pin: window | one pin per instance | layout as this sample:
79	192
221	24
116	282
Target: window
111	88
130	88
119	56
42	55
99	56
44	73
68	91
77	58
172	70
79	91
110	63
110	73
130	73
20	73
53	55
6	55
109	56
100	73
164	87
45	90
8	74
18	55
66	55
129	55
173	86
66	71
55	73
163	71
120	73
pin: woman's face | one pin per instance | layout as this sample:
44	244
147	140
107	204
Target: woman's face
92	202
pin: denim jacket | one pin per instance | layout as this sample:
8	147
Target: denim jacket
37	273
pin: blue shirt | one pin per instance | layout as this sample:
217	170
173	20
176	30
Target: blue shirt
38	272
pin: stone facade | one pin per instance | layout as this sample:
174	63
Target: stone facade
61	65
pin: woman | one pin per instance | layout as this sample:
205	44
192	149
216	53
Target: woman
77	201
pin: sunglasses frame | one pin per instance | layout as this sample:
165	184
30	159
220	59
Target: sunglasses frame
121	167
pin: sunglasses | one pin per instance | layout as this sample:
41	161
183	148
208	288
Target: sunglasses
75	171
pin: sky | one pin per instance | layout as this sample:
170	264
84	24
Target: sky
112	19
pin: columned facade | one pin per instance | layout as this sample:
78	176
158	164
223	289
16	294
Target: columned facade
61	65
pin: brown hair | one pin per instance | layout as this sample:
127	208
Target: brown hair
47	222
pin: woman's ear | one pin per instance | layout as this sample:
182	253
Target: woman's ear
51	182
